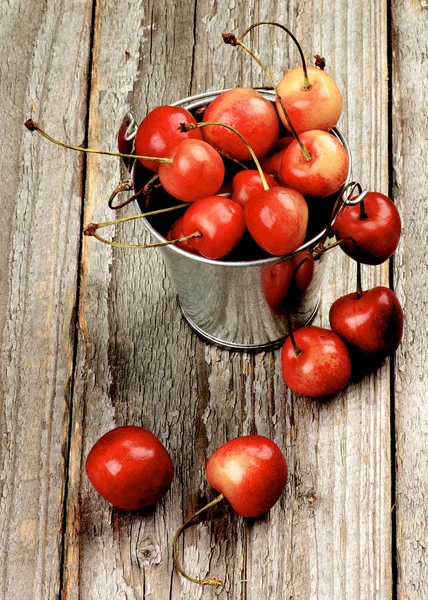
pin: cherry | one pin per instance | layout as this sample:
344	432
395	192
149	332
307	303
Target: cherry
176	232
158	133
196	171
304	266
374	228
370	321
130	468
248	183
277	219
221	223
315	362
252	115
271	163
324	173
314	106
251	473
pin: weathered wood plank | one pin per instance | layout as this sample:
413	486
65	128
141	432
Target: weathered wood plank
138	363
43	73
410	184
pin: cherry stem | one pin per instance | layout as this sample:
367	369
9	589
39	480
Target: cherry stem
359	290
91	229
233	159
210	580
363	214
33	126
189	126
229	38
307	84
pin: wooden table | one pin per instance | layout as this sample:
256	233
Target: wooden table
92	338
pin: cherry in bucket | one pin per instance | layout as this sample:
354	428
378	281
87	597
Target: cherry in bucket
158	133
310	96
250	472
130	468
317	163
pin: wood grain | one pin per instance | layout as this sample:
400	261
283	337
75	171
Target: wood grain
138	363
410	135
43	73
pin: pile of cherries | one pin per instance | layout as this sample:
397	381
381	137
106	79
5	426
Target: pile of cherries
190	156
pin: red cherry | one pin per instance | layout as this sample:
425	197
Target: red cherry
318	107
272	162
176	232
248	183
375	234
324	173
252	115
250	471
277	219
221	223
371	322
322	366
130	468
158	133
196	171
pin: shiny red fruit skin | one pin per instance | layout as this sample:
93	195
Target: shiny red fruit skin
271	163
196	171
277	219
247	111
321	176
176	232
221	222
376	236
158	133
130	468
372	323
319	107
248	183
250	471
276	279
322	368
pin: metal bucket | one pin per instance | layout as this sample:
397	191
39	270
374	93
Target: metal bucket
240	304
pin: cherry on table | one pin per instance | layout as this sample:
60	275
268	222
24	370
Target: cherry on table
317	364
130	468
